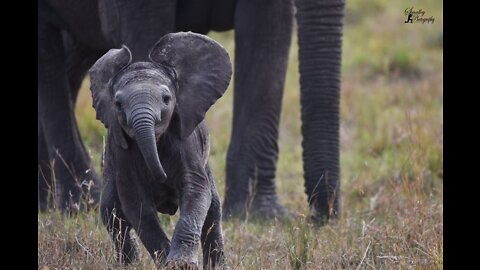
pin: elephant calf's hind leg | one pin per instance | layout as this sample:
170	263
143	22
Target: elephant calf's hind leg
118	227
211	238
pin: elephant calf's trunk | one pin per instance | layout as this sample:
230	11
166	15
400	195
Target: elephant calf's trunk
143	126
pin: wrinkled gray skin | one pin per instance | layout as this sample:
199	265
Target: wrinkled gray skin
262	40
156	156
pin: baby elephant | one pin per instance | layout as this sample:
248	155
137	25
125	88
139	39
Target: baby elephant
156	157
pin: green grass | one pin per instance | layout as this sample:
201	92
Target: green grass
391	160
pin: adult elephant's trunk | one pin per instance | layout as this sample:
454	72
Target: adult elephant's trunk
143	125
320	26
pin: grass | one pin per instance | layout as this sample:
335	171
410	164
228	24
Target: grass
391	160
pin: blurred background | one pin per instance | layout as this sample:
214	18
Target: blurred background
391	159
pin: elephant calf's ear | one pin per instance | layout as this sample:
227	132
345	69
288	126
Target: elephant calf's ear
101	74
203	71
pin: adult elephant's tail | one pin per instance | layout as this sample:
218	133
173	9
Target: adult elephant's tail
320	27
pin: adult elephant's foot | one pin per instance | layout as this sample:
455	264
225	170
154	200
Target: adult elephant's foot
234	209
237	197
268	207
261	207
91	188
69	199
83	194
321	216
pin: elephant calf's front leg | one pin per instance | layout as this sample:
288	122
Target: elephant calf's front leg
194	204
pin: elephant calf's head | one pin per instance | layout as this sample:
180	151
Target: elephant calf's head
186	74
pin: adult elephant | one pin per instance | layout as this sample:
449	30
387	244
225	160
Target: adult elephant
262	39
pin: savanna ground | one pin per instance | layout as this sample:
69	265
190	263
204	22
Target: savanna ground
391	160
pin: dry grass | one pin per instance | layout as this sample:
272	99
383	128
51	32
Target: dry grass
391	157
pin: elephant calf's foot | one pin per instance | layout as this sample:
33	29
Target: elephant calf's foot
128	257
177	259
181	265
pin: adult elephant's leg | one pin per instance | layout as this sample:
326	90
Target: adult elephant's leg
57	119
79	59
320	25
44	172
262	40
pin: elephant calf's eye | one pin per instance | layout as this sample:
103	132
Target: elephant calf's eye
118	105
166	99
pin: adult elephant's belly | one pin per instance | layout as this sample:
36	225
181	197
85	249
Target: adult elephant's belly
81	19
166	200
201	16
